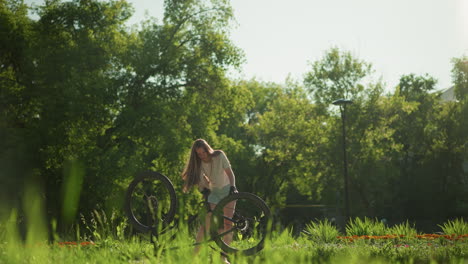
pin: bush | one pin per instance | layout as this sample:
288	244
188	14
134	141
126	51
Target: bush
403	229
358	227
321	231
457	227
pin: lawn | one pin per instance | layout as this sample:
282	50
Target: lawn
320	242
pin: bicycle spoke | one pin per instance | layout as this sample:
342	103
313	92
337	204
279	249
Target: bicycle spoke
226	232
150	202
239	223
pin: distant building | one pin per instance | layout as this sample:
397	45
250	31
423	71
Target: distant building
448	94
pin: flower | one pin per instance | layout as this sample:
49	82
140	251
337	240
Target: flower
74	244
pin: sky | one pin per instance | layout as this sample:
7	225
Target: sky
281	38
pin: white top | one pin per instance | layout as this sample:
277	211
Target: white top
214	171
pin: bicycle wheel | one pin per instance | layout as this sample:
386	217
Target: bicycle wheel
245	231
150	202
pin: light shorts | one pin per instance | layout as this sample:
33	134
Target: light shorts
217	194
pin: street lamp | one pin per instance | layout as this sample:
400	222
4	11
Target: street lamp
342	104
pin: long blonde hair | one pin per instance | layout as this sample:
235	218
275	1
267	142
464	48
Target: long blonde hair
191	173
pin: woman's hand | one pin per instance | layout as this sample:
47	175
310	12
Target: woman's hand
205	193
233	189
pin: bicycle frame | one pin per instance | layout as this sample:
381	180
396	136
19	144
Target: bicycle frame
191	219
151	206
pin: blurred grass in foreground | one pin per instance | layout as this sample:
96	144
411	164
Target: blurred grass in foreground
281	247
103	239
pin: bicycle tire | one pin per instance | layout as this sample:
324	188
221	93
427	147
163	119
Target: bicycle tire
158	205
250	224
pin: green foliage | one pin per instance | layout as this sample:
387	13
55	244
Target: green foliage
406	229
366	226
337	75
460	77
280	248
284	237
322	231
412	87
293	136
73	180
457	227
78	85
99	226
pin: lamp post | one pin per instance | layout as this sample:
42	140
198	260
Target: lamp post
342	104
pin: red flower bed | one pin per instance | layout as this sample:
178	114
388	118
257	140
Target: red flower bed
452	237
75	244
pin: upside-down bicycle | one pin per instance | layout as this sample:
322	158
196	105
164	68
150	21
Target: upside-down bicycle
151	206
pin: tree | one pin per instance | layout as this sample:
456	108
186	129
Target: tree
80	87
449	152
16	156
340	75
337	75
460	77
62	79
291	136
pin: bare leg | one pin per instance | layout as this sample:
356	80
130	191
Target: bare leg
203	230
199	238
228	212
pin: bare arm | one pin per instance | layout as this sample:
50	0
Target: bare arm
231	177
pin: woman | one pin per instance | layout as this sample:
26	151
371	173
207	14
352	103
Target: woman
210	169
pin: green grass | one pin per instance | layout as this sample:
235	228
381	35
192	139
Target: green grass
281	248
457	226
366	226
317	244
405	229
321	231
